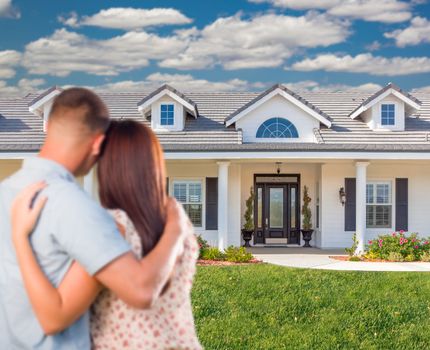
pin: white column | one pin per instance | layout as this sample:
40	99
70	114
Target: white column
360	204
222	204
89	183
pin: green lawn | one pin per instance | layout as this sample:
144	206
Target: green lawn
272	307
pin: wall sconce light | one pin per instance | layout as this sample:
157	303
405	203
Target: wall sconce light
342	196
278	167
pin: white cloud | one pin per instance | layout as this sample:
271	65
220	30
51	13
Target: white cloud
8	10
418	32
183	82
128	18
9	59
64	52
24	86
387	11
364	63
374	46
262	41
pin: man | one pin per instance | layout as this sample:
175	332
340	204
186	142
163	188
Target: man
78	229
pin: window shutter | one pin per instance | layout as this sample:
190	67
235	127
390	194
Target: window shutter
167	185
401	204
350	204
211	203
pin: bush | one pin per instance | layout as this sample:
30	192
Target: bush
354	258
203	245
212	253
399	246
351	251
425	257
395	256
239	255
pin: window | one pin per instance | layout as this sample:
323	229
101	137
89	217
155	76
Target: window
189	194
387	114
277	128
166	116
379	207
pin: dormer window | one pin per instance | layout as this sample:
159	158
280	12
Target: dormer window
388	116
277	128
167	112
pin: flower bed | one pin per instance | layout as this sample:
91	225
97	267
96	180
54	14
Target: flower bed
397	246
232	255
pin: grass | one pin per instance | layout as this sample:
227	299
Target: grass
272	307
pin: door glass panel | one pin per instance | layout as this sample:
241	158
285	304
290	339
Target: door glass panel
259	207
293	207
276	207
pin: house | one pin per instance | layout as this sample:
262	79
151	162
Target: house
365	158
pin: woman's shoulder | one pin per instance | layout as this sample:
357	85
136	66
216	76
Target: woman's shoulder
130	232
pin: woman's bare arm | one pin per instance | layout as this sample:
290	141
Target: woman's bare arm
56	309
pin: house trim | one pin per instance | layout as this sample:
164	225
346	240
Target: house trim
257	102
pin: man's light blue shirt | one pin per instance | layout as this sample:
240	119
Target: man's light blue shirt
72	227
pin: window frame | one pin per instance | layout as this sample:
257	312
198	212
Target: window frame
167	118
388	103
189	180
292	128
375	204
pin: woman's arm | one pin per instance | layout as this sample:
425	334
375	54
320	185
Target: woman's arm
56	309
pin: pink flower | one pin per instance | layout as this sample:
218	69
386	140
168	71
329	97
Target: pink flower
426	242
413	240
380	241
394	234
416	247
406	241
370	242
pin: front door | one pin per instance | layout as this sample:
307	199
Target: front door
276	213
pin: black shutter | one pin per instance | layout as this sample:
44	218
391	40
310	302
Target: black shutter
350	204
211	203
401	204
167	185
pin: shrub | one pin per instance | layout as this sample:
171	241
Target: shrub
425	257
212	253
395	256
235	254
351	251
203	245
354	258
396	245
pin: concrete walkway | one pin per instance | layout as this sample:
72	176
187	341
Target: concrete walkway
319	259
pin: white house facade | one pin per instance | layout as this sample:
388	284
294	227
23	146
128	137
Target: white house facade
364	158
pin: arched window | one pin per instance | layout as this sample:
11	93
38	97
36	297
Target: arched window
277	128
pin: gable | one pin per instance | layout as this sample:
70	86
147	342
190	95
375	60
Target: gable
278	107
279	90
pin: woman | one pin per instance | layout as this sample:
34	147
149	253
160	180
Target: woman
131	177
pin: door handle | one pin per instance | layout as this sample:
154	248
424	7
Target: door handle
267	222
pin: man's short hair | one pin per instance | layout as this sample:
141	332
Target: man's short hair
90	109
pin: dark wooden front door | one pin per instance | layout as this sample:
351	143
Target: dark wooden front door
277	212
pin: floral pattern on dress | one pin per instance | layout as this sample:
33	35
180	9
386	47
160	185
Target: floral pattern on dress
169	324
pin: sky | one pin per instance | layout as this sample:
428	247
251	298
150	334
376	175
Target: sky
218	45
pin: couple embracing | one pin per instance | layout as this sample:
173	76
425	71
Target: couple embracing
77	275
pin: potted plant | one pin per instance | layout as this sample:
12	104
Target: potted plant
248	226
307	218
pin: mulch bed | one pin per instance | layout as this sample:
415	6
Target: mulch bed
226	263
346	258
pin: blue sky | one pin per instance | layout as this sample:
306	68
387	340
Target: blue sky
214	45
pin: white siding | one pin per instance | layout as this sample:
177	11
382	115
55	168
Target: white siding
278	106
332	214
179	115
373	118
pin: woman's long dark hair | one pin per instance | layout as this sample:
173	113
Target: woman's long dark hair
131	175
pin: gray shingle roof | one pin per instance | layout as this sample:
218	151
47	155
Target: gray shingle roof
22	131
